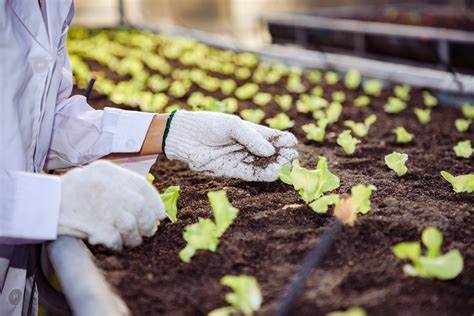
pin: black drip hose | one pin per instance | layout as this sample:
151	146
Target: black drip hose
90	85
312	260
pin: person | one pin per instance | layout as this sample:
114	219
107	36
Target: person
44	128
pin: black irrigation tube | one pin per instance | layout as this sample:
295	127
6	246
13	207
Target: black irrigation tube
313	259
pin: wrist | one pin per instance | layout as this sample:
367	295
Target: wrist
153	143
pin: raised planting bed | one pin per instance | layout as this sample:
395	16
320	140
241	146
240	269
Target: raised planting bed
275	228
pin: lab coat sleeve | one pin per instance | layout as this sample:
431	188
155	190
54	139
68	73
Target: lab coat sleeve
82	134
29	207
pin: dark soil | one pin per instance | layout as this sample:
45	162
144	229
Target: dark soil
275	230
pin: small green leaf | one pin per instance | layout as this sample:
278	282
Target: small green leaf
295	85
321	205
462	125
463	149
247	91
246	296
262	98
352	80
402	92
231	105
462	183
284	101
353	311
347	142
338	96
361	129
315	132
170	200
432	239
314	76
252	115
373	87
394	105
333	112
403	136
150	178
396	161
199	236
281	122
331	77
429	100
408	250
309	103
445	267
362	101
423	115
468	110
285	175
317	91
228	86
224	212
360	197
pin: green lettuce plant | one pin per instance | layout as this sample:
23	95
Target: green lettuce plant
170	200
150	178
331	77
158	102
280	121
252	115
317	91
347	208
231	105
295	85
247	91
394	105
396	161
172	107
210	84
462	125
224	213
433	264
338	96
316	132
179	88
228	86
246	297
463	149
262	98
372	87
361	129
460	184
403	136
347	142
314	76
423	115
284	101
157	83
362	101
333	112
309	103
429	100
311	184
352	80
402	92
242	73
468	110
352	311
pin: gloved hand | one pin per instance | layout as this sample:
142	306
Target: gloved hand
108	205
224	145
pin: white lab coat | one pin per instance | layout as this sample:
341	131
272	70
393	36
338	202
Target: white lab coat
41	126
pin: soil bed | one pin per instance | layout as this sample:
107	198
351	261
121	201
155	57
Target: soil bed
275	230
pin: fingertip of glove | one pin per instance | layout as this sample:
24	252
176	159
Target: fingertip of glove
286	139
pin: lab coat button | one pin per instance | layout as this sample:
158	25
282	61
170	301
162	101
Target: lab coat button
15	297
40	64
130	143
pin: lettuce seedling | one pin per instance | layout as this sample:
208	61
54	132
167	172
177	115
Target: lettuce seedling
172	107
423	115
316	132
170	200
338	96
317	91
353	311
280	121
460	184
333	112
331	77
231	105
311	184
373	87
199	236
321	204
347	208
246	297
247	91
309	103
242	73
347	142
468	110
462	125
396	161
463	149
262	98
228	86
224	212
314	76
252	115
429	100
273	77
295	85
150	178
158	102
352	80
403	136
394	105
157	84
402	92
362	101
361	129
433	264
284	101
179	88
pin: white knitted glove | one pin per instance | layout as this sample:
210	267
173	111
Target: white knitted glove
108	205
224	145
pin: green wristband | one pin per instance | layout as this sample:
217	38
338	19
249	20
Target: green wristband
167	130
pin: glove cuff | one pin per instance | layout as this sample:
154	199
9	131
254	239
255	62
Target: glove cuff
167	130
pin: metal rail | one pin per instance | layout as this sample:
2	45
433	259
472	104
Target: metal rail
84	286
